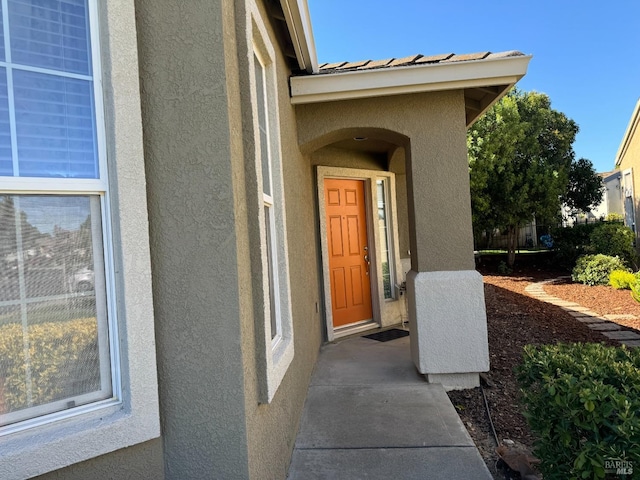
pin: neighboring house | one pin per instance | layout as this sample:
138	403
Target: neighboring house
612	196
612	202
235	205
628	164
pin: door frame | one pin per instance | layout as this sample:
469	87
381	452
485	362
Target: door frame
373	241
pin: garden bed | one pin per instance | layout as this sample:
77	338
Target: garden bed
514	320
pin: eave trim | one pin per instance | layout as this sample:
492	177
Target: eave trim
296	13
402	80
628	134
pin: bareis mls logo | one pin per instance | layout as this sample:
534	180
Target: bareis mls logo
619	467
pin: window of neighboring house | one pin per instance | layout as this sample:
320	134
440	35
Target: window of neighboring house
59	342
385	237
276	342
54	310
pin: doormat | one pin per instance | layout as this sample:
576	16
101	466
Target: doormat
387	335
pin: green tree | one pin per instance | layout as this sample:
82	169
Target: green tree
520	155
585	188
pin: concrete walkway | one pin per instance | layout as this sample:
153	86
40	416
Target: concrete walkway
593	320
369	414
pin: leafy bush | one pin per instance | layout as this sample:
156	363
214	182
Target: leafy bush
62	355
622	280
571	243
615	217
503	268
635	291
581	401
595	269
614	239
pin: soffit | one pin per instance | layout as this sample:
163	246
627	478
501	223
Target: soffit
292	23
484	77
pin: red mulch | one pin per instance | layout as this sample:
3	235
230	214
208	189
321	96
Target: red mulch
514	320
600	299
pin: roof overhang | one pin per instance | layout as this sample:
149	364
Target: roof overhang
628	135
483	81
296	14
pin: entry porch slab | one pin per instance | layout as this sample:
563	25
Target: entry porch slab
369	414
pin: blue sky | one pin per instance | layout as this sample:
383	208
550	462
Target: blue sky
586	54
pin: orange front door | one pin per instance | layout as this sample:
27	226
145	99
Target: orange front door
348	251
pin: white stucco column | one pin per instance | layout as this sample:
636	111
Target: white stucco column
448	326
445	294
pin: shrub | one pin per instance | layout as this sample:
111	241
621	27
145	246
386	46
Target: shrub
635	291
571	243
622	280
503	268
595	269
58	351
581	401
615	217
614	239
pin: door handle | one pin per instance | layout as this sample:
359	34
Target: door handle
367	262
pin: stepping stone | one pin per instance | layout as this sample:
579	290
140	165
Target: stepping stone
604	326
583	314
590	319
631	343
622	335
575	308
620	317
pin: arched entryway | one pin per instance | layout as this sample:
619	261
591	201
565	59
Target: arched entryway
417	143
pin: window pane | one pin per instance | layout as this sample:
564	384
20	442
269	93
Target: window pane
55	126
384	239
262	126
6	166
268	213
50	34
1	35
53	324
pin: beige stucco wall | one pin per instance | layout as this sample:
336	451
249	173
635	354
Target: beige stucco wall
142	461
340	157
437	165
631	159
191	162
272	428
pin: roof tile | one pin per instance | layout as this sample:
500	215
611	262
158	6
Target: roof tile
404	60
330	66
434	58
376	64
339	67
359	64
468	56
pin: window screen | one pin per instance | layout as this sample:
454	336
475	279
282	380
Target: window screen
53	328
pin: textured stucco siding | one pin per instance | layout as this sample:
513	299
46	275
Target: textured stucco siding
437	170
142	461
339	157
190	164
272	428
631	159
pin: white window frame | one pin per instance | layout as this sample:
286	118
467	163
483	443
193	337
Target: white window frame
389	223
131	416
275	350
